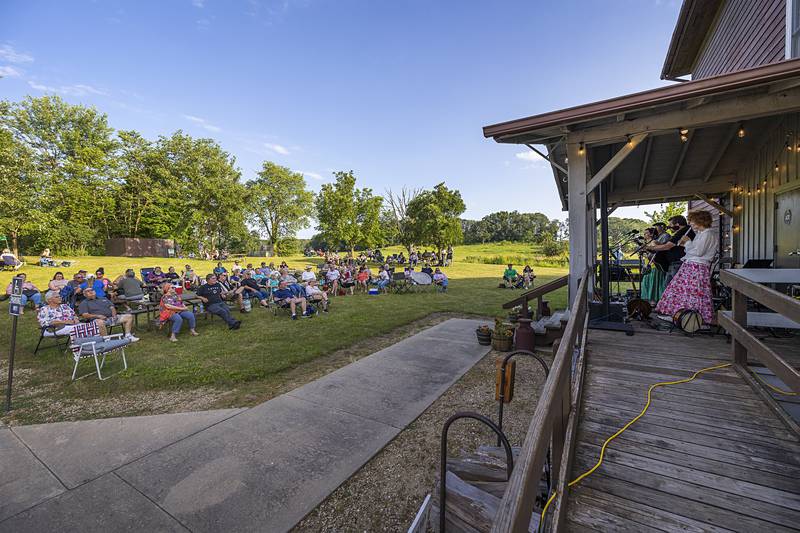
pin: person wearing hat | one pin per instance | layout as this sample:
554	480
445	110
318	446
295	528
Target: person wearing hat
308	274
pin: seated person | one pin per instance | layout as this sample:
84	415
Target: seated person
156	276
132	288
273	280
10	259
29	292
308	274
362	278
72	294
528	276
57	315
219	269
383	278
100	308
510	276
45	259
174	310
171	275
212	294
333	276
347	281
440	279
285	276
315	294
287	296
190	276
250	288
427	269
57	283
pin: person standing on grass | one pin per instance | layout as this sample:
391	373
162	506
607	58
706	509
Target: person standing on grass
211	294
174	310
96	307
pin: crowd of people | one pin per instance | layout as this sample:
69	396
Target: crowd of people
112	302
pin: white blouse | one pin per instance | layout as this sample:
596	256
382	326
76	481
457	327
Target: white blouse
702	249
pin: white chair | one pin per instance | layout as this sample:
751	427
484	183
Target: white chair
86	342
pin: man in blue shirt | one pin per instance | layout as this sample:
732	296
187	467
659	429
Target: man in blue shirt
290	295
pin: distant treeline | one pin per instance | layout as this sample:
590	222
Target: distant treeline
513	226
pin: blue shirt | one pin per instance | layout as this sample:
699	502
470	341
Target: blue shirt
98	286
283	294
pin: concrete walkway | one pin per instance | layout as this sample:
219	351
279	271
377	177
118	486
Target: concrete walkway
257	469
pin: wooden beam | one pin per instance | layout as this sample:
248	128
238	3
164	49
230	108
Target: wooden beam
643	171
780	303
720	112
578	211
785	85
618	158
547	158
697	102
729	136
714	204
684	189
681	157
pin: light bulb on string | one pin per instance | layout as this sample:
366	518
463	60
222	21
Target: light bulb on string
741	132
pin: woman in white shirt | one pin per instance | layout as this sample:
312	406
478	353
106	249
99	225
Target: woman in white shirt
691	286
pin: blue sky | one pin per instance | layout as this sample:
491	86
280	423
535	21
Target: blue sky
395	90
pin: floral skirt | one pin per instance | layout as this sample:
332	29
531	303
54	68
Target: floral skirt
689	289
653	284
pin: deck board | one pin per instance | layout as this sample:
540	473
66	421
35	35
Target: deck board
709	455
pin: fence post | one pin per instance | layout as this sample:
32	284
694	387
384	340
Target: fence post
740	317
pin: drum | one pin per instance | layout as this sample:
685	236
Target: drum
688	320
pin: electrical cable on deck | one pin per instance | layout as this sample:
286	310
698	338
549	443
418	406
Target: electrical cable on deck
626	426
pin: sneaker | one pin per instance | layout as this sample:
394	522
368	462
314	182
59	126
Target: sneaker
294	317
132	338
307	315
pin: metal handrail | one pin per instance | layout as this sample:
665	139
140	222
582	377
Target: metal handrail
502	397
443	457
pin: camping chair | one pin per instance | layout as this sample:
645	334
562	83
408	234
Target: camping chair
10	263
399	283
86	342
57	341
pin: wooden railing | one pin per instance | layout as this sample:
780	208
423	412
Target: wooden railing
744	342
552	422
538	294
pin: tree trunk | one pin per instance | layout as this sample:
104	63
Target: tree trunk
14	247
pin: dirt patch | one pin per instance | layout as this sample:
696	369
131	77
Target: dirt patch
387	492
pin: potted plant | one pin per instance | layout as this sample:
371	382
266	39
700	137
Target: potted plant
514	314
484	334
503	336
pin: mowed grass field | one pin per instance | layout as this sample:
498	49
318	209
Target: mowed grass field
223	361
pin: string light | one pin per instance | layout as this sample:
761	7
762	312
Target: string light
684	134
741	132
630	141
777	167
580	149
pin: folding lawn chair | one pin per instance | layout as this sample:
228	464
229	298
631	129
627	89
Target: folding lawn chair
86	342
56	341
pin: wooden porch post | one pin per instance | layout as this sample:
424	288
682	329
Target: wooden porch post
577	216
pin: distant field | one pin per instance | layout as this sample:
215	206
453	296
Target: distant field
220	360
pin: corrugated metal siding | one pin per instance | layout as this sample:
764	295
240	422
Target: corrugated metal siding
748	33
755	220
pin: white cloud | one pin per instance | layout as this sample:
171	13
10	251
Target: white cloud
78	89
9	72
532	158
200	4
277	148
7	53
202	123
312	175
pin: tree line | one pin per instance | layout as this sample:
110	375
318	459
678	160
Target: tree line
70	181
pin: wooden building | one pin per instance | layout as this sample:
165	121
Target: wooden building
726	133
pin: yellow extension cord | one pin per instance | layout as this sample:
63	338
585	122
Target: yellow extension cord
773	387
626	426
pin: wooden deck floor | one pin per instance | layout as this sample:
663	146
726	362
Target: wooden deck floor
709	455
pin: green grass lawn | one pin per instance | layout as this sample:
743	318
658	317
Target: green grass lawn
264	348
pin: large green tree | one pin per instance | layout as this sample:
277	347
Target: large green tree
666	212
278	202
348	215
72	148
435	217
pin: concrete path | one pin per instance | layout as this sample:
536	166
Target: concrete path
257	469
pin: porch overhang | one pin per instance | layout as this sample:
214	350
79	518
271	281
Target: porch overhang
666	144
